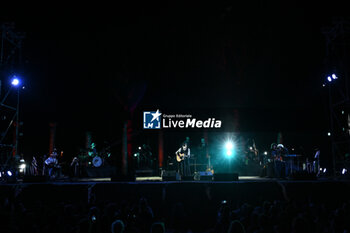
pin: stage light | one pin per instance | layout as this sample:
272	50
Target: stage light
334	76
139	147
229	145
323	85
344	171
136	154
229	148
329	79
324	170
329	134
9	173
265	153
22	166
15	81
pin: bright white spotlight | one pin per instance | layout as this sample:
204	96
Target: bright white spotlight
265	153
15	81
229	152
9	173
229	145
344	171
329	79
334	76
329	133
324	170
22	166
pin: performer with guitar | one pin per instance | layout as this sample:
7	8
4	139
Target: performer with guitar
183	159
278	151
51	163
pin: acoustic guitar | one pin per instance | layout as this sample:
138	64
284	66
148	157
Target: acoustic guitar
180	157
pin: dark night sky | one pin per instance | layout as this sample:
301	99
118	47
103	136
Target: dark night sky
263	58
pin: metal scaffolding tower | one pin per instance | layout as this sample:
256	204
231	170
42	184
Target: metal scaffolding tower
10	59
337	79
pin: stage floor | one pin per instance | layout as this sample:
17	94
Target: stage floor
250	189
158	180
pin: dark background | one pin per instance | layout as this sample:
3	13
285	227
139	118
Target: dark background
258	66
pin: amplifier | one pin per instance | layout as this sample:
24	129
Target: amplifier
170	175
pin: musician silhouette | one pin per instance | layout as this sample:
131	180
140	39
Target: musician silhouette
183	158
51	164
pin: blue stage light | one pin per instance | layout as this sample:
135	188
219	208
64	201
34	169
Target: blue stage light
334	76
15	81
9	173
329	79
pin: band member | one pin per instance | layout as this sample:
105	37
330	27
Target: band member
287	162
280	153
277	158
34	167
75	166
183	158
51	163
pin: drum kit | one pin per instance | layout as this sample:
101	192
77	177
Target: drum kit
97	161
92	159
